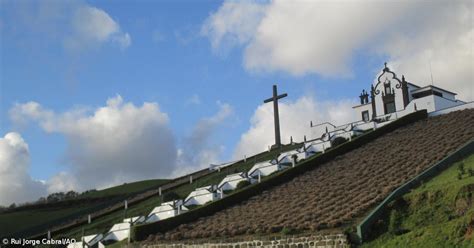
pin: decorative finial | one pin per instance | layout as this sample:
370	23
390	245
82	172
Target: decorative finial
385	64
403	78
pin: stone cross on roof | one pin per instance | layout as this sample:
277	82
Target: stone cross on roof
274	99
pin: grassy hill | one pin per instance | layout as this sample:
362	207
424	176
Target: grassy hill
437	214
34	219
127	188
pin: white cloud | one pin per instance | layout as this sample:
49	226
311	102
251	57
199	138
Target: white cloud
123	40
121	142
15	183
76	24
91	26
116	143
198	150
62	182
295	120
323	37
234	23
445	39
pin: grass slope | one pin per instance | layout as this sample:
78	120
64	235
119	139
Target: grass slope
437	214
127	188
103	224
31	221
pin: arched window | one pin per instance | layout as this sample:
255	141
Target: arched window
387	87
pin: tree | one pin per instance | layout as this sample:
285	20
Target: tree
71	195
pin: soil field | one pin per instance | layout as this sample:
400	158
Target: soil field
336	192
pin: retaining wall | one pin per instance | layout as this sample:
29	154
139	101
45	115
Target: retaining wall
312	241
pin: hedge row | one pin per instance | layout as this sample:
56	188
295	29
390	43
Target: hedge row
141	232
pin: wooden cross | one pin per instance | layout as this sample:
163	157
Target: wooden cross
274	99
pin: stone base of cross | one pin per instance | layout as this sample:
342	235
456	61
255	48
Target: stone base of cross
275	147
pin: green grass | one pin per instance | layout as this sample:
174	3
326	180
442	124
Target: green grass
127	188
437	214
29	222
103	224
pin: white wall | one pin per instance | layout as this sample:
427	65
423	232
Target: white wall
361	108
410	89
266	170
318	146
118	232
156	216
201	199
422	103
442	103
134	220
398	93
448	95
230	182
468	105
346	135
75	245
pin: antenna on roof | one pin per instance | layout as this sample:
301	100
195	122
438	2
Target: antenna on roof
431	73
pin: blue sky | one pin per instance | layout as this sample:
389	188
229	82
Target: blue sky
178	57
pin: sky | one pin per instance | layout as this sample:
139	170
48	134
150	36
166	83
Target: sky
99	93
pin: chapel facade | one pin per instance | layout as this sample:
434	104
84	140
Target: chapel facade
390	94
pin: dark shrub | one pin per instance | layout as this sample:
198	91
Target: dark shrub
394	222
461	169
338	141
470	171
170	196
287	231
226	192
242	184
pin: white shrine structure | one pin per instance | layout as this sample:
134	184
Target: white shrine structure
264	169
201	196
166	210
231	181
389	94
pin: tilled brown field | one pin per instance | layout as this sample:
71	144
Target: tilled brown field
337	191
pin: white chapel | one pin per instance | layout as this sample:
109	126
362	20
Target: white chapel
389	94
